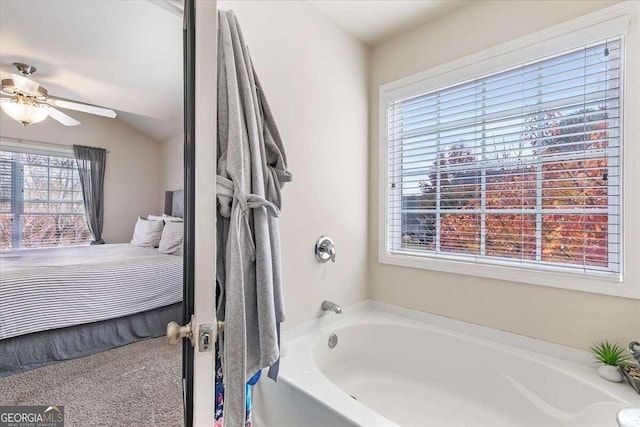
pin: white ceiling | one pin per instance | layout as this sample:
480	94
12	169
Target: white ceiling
374	21
127	55
124	55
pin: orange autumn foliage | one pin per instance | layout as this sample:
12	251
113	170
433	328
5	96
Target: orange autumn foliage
571	201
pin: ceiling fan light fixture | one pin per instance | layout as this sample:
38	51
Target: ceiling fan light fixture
30	103
24	111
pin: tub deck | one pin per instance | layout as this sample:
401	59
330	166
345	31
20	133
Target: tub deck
398	367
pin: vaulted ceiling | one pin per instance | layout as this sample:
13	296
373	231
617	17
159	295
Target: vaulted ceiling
124	55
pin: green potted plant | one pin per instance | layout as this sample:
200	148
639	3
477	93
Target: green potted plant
611	356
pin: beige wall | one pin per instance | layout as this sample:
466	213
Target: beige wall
572	318
133	175
173	163
315	79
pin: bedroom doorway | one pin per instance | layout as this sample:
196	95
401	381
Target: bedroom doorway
101	345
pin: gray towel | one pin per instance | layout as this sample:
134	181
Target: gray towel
252	168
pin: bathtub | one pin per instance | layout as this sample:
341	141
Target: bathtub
397	367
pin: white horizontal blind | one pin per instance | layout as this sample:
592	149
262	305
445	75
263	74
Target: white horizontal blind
41	203
521	167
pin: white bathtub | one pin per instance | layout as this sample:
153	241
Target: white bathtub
388	370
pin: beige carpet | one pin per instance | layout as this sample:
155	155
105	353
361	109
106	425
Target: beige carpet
135	385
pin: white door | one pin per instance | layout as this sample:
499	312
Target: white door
199	316
205	206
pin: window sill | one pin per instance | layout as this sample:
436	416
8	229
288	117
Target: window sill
554	279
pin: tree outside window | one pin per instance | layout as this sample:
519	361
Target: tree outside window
40	202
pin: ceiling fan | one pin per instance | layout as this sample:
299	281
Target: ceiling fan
28	102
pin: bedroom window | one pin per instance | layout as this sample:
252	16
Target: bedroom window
40	202
509	170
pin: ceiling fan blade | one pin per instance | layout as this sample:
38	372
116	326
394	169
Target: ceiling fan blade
62	117
85	108
25	85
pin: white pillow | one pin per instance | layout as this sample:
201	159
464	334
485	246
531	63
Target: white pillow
172	238
169	218
147	233
155	217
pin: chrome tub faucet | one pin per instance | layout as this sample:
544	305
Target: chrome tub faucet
325	249
330	306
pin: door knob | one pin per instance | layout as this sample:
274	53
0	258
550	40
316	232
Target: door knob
175	332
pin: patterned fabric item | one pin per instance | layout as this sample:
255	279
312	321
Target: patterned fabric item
172	238
219	394
50	288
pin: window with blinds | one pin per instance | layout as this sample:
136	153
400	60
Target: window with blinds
520	167
41	202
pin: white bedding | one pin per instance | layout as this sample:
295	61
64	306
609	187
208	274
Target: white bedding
43	289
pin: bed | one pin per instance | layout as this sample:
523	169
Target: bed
61	303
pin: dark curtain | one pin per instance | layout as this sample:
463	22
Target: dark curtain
91	163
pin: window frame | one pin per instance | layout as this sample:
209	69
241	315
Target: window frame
616	21
21	147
